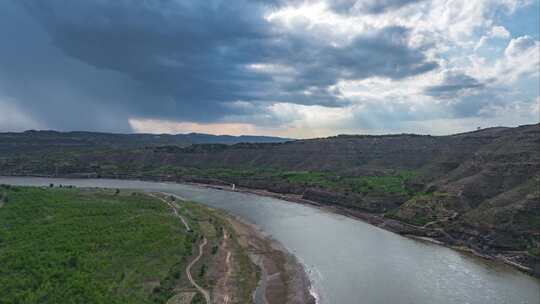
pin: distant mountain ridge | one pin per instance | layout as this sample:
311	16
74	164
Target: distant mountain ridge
47	139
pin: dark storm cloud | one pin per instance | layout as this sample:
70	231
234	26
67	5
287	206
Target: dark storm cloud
464	96
93	64
57	91
453	85
383	53
317	66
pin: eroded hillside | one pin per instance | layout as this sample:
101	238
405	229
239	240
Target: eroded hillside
480	188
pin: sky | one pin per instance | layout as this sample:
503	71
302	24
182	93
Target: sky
297	68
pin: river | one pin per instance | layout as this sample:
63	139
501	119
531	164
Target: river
349	261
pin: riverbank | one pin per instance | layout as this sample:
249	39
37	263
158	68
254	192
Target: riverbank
344	257
435	236
137	247
281	278
518	260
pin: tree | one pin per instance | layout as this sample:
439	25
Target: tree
198	299
203	271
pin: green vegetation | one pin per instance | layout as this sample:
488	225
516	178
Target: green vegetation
202	270
535	251
416	220
529	220
65	245
81	246
424	196
3	198
394	183
198	299
106	165
423	204
391	183
384	184
307	177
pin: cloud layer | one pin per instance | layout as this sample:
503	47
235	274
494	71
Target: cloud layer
361	66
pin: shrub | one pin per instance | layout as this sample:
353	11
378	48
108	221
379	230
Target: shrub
202	271
197	299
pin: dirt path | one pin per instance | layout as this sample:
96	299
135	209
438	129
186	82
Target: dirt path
203	291
174	210
223	293
188	273
228	264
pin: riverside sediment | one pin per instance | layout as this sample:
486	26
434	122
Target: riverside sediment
283	278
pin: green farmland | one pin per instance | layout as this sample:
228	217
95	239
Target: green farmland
60	245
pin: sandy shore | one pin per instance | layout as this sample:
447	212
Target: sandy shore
283	279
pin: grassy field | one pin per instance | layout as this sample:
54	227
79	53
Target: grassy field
88	246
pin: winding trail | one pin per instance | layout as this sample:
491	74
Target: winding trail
203	291
188	273
174	210
228	262
228	265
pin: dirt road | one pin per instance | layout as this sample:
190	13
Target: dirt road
228	265
203	291
174	210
